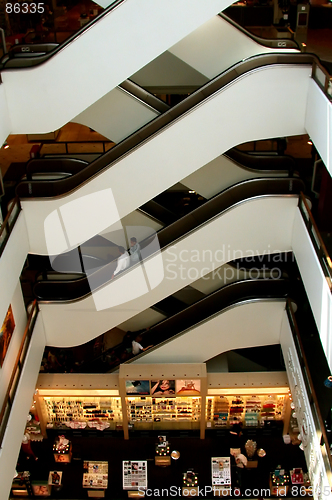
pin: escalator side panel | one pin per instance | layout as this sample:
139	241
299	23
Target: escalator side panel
190	142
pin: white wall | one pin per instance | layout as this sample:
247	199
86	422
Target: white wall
20	318
206	52
216	45
318	123
20	409
136	224
311	437
250	324
221	173
315	284
107	53
116	115
255	227
202	134
5	124
11	263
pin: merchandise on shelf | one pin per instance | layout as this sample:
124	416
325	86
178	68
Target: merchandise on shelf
171	409
76	413
251	410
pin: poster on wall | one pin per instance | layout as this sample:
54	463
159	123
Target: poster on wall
188	387
6	333
137	387
162	387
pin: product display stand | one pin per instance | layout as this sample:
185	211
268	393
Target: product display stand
190	484
221	476
279	483
163	452
135	477
62	450
95	478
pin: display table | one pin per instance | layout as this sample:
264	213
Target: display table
95	477
190	484
221	476
279	484
135	477
163	454
55	478
62	450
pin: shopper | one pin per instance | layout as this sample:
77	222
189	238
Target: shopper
135	251
123	262
136	347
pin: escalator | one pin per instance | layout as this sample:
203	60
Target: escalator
210	305
198	315
181	140
63	83
64	290
163	272
214	47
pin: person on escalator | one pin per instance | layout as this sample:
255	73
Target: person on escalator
137	348
135	251
123	262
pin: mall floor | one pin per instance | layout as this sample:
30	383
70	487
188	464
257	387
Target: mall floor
194	454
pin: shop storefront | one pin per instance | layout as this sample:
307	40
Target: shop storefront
150	419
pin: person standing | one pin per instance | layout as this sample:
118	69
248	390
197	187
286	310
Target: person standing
135	251
123	261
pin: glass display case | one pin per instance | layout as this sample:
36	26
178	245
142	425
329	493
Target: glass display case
164	413
72	411
251	410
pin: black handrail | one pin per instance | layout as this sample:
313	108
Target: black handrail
317	416
60	187
200	311
212	305
8	224
56	290
263	161
280	43
17	371
69	166
316	239
36	61
244	160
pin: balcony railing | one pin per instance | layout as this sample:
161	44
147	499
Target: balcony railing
322	78
314	405
17	371
8	224
319	246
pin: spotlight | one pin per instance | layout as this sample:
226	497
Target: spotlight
328	382
5	145
309	142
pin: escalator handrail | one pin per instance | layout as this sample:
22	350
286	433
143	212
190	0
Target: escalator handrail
205	309
144	95
59	188
280	43
243	191
45	165
20	63
261	162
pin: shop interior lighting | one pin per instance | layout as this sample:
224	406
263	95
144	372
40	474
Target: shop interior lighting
309	142
5	145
